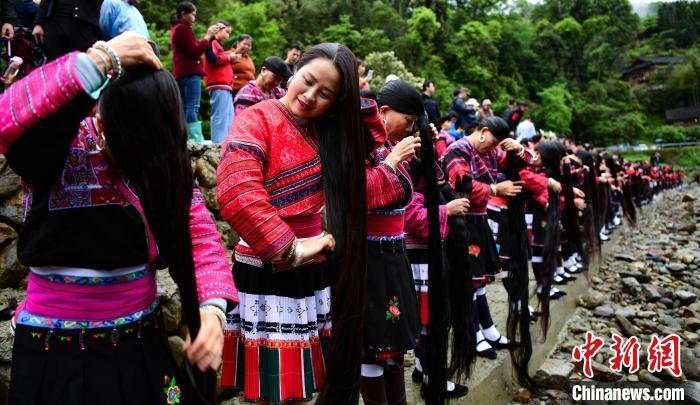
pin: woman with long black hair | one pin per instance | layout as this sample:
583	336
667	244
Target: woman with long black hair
111	201
391	323
425	245
480	156
589	184
283	161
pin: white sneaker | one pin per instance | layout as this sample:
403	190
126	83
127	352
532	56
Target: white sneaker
604	237
617	221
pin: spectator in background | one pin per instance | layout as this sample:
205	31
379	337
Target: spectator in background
525	130
66	26
118	16
187	64
364	80
293	55
512	105
454	131
274	71
219	81
8	16
514	115
243	65
26	12
432	108
655	159
444	139
465	114
485	111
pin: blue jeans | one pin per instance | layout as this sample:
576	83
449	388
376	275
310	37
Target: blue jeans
191	93
221	114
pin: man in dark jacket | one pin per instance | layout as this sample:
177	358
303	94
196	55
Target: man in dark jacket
7	9
67	25
8	17
432	108
466	115
514	114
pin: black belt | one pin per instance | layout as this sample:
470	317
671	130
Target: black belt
475	219
386	246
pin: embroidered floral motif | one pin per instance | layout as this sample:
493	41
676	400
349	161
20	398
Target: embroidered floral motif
543	223
474	250
172	392
393	313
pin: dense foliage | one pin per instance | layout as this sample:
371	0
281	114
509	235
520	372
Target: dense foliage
564	56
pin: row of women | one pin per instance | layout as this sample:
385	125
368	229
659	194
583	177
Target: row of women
356	243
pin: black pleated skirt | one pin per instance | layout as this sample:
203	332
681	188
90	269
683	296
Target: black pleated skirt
481	251
391	321
139	369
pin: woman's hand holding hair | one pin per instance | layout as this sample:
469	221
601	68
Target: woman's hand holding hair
457	207
554	186
316	247
211	31
511	145
206	350
509	188
134	50
406	148
580	204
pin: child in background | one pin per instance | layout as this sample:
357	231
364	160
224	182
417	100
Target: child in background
443	138
219	80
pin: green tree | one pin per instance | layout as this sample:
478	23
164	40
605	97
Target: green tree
255	19
554	112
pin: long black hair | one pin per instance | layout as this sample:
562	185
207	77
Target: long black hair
146	134
463	342
342	152
551	155
518	324
590	188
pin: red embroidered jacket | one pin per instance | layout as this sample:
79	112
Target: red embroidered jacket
462	158
269	177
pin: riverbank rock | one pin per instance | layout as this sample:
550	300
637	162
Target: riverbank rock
553	374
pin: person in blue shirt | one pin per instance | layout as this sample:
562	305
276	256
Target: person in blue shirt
118	16
455	131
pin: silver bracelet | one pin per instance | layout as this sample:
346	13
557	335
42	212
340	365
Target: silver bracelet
298	254
99	52
116	62
217	311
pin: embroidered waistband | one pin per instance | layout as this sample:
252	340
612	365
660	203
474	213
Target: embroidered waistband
25	318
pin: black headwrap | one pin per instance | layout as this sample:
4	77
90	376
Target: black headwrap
401	97
498	127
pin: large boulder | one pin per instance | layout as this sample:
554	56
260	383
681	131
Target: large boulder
11	270
553	374
169	297
12	209
7	233
9	183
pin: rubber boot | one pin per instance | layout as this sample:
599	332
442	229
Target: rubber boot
194	131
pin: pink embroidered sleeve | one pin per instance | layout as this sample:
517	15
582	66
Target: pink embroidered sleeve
32	99
416	222
211	267
537	185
